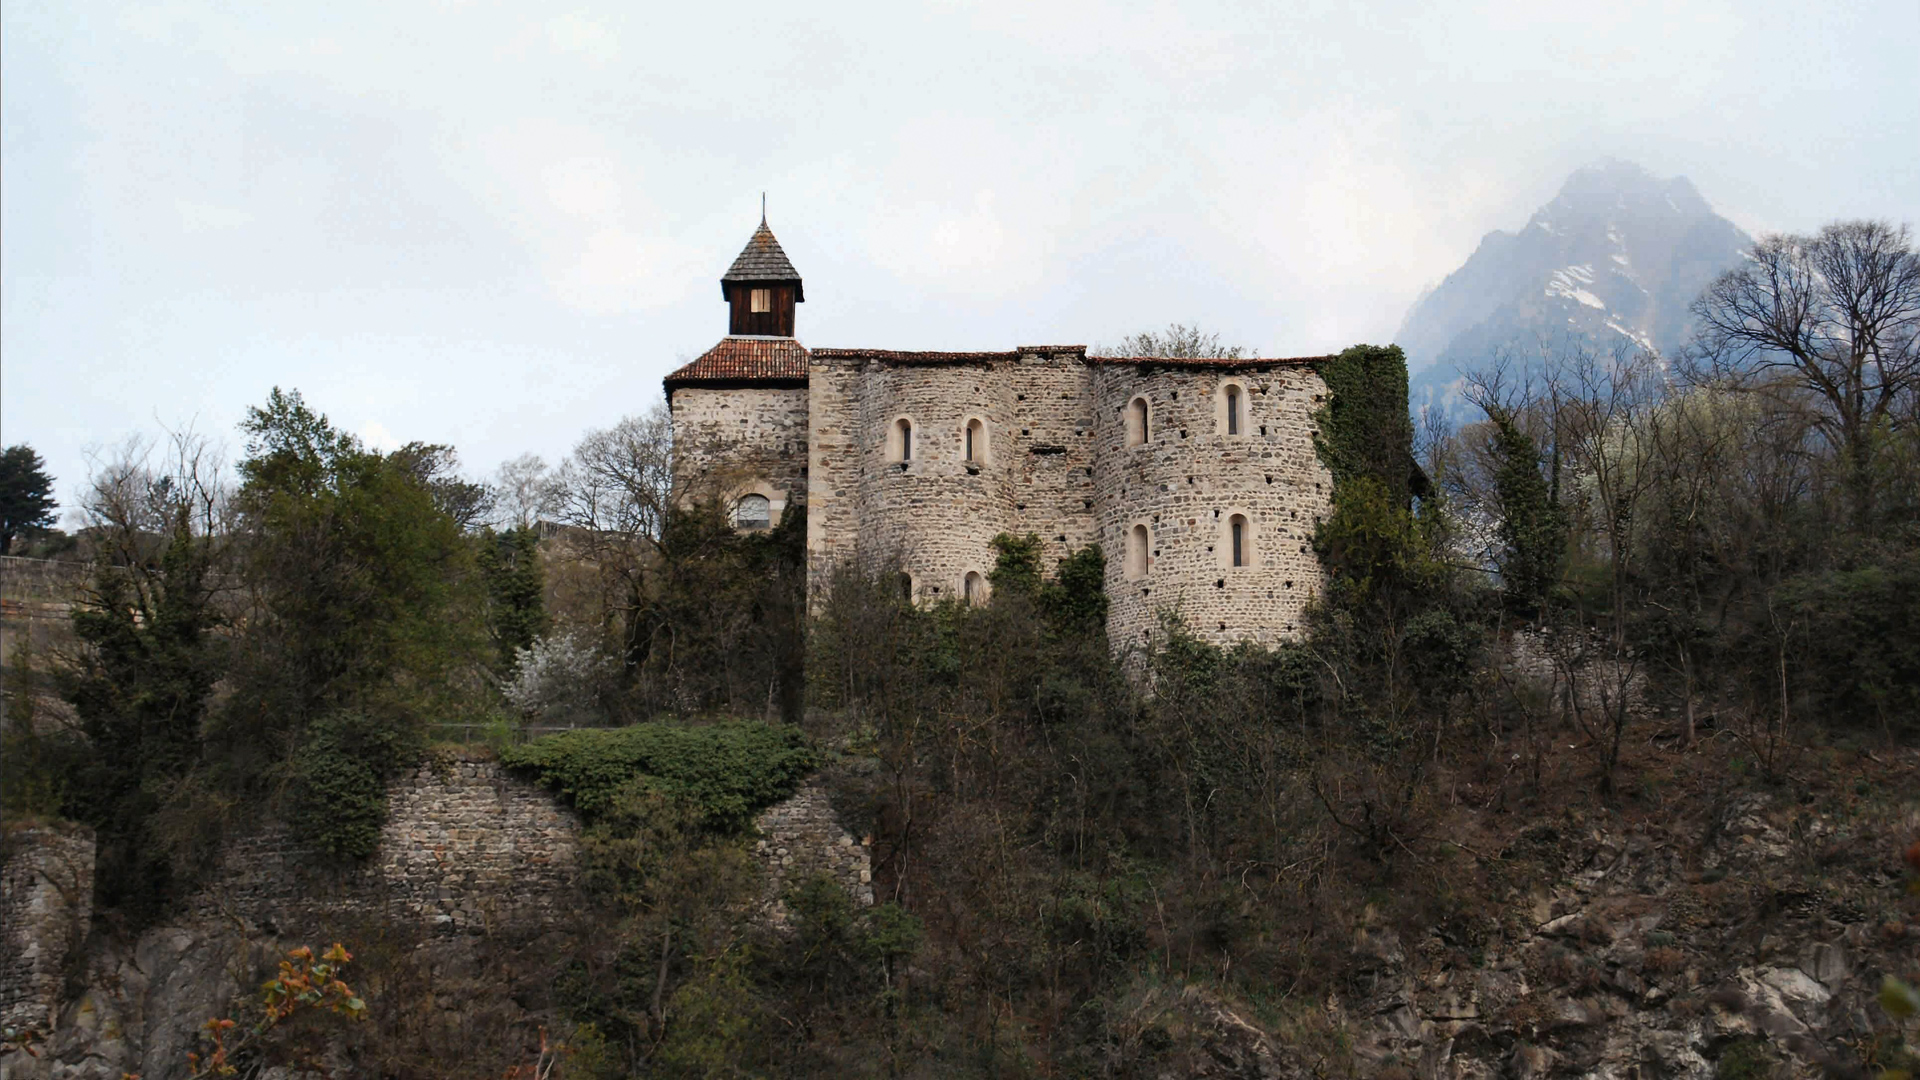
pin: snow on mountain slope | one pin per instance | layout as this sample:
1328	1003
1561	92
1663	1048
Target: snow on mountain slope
1618	255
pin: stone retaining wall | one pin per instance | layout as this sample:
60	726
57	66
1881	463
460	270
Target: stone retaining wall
802	837
465	847
46	900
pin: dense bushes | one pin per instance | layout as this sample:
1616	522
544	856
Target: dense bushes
726	772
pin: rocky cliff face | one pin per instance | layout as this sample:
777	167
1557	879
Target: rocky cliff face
1714	928
1614	260
1750	944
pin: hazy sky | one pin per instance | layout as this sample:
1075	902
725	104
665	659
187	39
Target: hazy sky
498	226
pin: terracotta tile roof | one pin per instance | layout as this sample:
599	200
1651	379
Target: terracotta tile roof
762	260
1210	361
745	359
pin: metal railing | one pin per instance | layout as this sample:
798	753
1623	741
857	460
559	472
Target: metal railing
510	734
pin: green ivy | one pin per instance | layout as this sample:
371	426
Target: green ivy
727	771
339	795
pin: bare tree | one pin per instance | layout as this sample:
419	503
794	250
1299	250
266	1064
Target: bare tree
145	494
1178	341
1835	315
525	492
1600	406
619	481
613	495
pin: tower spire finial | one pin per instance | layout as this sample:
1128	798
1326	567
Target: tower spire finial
763	208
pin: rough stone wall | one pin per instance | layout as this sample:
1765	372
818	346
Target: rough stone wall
46	900
801	837
1054	472
1187	482
933	515
834	444
732	442
1058	466
465	847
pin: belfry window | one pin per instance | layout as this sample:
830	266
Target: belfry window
1137	432
760	300
753	512
1136	554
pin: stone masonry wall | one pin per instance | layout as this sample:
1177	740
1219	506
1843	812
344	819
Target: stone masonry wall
744	440
466	847
1057	465
46	899
801	837
1187	482
470	848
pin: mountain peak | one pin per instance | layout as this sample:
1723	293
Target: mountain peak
1617	256
1613	180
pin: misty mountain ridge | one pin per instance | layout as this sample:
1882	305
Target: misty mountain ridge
1615	258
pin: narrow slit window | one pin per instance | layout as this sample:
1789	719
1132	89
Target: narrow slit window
1136	553
900	441
1239	541
1233	410
976	441
760	300
1137	432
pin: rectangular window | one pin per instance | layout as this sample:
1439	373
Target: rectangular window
760	300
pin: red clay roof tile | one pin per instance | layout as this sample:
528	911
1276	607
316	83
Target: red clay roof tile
744	359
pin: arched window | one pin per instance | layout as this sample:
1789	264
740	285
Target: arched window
904	582
1239	541
1137	421
973	588
753	512
1136	555
974	441
1230	408
900	440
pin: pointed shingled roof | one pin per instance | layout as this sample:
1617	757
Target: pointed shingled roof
762	260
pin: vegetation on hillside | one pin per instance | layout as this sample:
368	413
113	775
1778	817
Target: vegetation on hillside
1632	588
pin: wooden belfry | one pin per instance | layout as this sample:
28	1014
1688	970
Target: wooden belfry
761	287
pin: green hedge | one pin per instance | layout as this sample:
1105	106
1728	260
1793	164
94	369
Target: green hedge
728	771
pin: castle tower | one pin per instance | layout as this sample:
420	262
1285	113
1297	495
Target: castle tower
740	408
761	288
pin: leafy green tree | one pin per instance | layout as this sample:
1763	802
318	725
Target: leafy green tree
362	608
26	495
149	623
516	591
1533	528
718	620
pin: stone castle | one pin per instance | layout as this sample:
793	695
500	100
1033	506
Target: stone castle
1197	477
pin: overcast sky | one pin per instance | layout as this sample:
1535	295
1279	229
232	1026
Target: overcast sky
498	226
